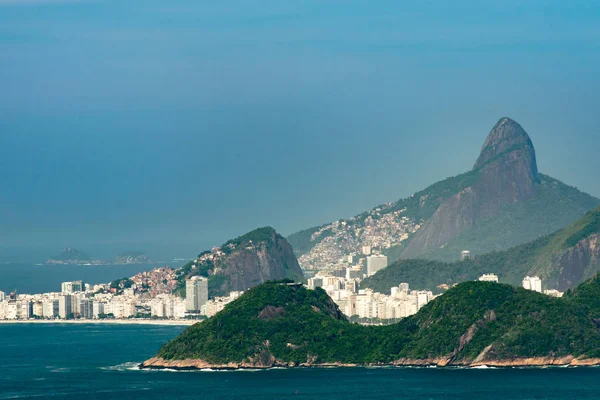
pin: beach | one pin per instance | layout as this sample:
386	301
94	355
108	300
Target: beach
165	322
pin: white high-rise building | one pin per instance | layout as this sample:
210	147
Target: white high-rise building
313	283
25	309
38	309
65	306
71	287
465	255
2	296
50	308
489	278
196	293
533	283
376	263
97	309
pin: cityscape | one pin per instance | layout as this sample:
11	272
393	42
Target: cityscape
149	295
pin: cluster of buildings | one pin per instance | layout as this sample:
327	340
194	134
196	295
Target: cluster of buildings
367	304
381	228
145	298
341	282
535	283
529	282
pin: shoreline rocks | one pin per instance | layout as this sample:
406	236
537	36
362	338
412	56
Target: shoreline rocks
534	362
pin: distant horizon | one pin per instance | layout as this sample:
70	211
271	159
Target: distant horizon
193	123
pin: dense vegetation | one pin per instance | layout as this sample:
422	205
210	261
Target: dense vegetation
256	236
297	325
538	257
587	295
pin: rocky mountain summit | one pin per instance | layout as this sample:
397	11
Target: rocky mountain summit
244	262
505	174
502	202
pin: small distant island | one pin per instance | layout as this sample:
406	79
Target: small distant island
71	256
132	257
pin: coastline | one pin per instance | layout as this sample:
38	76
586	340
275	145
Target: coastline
165	322
157	363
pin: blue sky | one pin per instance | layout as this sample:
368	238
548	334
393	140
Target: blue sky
173	126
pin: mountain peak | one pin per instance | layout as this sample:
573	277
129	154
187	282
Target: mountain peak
508	138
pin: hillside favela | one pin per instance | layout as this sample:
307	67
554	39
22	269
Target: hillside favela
299	200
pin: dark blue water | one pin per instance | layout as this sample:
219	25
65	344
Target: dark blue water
30	278
98	362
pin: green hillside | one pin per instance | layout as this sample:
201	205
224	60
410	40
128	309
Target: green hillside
278	323
556	258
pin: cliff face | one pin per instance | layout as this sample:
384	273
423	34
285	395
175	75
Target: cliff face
577	263
244	262
271	259
505	173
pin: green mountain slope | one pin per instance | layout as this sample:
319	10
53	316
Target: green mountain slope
562	259
282	324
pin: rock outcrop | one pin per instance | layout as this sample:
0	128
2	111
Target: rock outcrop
577	263
249	260
506	173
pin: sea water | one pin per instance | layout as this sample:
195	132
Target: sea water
41	278
93	361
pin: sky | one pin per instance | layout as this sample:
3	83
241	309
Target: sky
170	127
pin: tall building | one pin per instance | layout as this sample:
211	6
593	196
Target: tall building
532	283
313	283
196	293
2	296
50	308
25	309
376	263
65	306
38	309
97	309
465	255
72	287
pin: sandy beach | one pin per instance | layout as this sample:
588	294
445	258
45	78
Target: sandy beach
104	321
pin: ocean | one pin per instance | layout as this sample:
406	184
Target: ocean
94	361
34	278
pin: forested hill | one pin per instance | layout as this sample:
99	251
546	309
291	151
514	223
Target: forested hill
563	260
475	323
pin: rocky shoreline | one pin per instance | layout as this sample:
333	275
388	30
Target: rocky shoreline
193	364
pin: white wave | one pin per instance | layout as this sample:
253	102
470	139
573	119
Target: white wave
128	366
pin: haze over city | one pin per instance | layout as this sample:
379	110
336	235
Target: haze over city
175	127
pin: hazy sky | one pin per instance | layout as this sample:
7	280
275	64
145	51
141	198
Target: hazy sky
174	126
